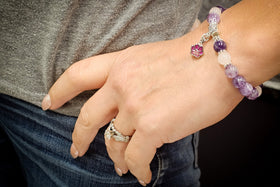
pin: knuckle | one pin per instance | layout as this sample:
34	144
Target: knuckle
147	128
131	160
109	146
124	70
117	84
114	151
126	54
77	140
75	72
83	117
72	73
131	105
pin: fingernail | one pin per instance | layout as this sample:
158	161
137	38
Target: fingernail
74	152
119	172
142	182
46	103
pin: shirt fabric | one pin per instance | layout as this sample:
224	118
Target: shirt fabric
39	40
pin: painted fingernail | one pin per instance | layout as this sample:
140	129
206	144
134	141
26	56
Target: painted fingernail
142	182
46	103
74	152
119	172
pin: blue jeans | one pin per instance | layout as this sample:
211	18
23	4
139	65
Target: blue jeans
42	141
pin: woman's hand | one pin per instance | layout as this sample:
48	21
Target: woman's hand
158	94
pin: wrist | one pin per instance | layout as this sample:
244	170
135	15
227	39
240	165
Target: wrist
256	64
208	65
252	37
224	58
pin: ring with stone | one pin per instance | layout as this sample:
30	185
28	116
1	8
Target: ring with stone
111	132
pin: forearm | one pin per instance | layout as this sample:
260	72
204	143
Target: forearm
251	30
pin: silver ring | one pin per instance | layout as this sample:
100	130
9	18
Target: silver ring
111	132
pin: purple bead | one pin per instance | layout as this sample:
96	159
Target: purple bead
231	71
246	90
221	8
254	95
213	18
219	45
238	81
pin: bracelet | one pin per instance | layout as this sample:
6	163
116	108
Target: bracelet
224	58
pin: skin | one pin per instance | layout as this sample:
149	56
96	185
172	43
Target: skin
160	94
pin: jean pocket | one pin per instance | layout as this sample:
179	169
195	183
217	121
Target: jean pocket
195	142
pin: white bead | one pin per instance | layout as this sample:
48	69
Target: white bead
224	58
215	10
259	90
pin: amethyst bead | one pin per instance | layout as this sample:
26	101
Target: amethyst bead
219	45
213	18
246	90
254	95
238	81
231	71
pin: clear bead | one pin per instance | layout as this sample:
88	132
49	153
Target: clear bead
215	10
224	58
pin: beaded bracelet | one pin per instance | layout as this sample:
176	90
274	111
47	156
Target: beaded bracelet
224	58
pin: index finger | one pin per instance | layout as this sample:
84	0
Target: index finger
87	74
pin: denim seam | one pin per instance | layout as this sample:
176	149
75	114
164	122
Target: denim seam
159	170
195	141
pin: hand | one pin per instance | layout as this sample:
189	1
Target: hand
157	92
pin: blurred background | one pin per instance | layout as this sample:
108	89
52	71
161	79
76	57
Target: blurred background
242	149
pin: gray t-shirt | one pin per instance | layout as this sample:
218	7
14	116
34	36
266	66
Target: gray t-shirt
39	40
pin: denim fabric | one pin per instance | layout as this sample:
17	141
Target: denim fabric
42	141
